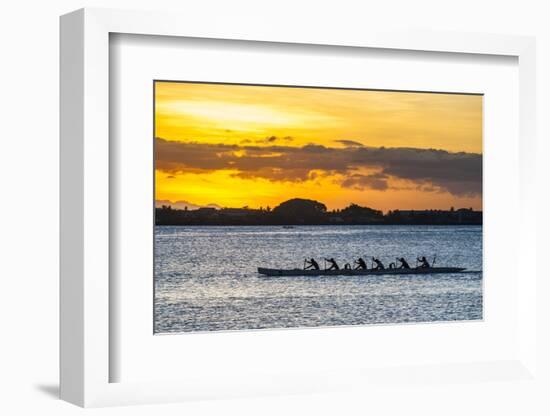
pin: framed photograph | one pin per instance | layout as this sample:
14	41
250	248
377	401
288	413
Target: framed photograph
268	199
269	212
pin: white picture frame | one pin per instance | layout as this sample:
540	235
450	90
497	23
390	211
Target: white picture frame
85	217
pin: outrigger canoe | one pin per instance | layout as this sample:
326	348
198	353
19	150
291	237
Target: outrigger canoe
364	272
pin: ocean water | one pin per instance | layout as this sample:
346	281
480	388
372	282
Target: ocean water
206	277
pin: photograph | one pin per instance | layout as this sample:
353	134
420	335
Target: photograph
281	206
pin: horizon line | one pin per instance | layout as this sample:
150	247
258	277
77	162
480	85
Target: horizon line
246	207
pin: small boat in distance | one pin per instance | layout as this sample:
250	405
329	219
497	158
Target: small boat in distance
361	272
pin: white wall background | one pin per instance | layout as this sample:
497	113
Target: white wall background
29	58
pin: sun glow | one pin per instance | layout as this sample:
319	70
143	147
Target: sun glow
235	115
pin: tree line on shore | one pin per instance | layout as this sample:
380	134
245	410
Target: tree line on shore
299	211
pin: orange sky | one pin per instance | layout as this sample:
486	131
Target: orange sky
237	145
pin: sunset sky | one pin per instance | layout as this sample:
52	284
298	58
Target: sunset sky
239	145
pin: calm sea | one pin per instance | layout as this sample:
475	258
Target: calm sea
206	277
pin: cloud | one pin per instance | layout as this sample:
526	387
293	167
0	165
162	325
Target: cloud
271	139
456	173
437	170
349	143
377	181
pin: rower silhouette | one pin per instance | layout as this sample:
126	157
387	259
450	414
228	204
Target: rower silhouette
312	264
361	265
379	265
333	264
404	264
423	262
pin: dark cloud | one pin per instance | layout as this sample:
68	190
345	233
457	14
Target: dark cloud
378	181
349	143
272	139
430	169
457	173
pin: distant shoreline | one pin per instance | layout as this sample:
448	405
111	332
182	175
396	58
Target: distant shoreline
297	211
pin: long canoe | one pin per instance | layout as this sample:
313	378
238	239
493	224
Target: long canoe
369	272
